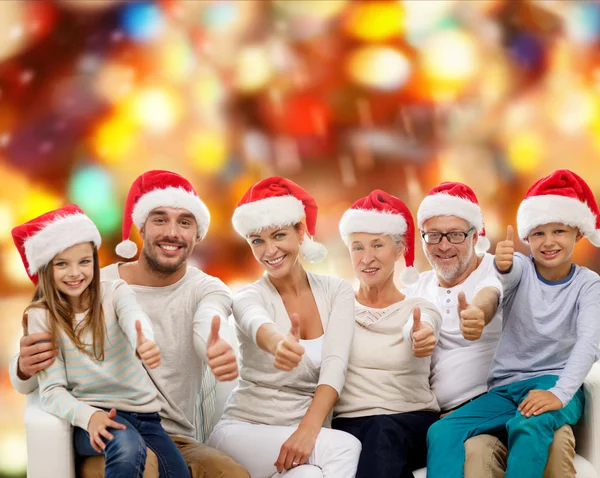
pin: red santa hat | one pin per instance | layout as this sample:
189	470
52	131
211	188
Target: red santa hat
455	199
40	239
382	213
562	197
277	201
159	189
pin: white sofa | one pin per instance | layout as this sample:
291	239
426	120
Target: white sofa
51	454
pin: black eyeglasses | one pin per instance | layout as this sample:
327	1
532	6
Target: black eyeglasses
453	237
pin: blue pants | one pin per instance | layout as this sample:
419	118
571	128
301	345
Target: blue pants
528	438
126	453
392	445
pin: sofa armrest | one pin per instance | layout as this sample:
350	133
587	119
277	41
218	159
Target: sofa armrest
587	431
49	442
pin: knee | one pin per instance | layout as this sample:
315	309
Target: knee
126	446
486	450
438	431
344	442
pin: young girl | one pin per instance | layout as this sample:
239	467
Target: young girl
273	421
97	383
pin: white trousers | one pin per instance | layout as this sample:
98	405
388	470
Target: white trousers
257	447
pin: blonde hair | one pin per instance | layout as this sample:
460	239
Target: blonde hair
61	315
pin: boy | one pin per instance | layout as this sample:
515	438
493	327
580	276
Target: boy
549	342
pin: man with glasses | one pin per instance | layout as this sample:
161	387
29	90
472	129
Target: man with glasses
464	287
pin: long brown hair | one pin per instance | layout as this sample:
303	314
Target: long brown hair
61	315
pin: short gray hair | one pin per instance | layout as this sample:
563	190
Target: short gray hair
399	240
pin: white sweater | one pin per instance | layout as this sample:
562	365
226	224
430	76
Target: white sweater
384	377
269	396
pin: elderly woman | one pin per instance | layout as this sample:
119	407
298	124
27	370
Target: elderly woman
295	330
387	402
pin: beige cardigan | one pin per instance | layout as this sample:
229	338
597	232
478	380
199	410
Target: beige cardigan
273	397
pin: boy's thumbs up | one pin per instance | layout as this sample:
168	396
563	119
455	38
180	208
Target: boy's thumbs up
509	233
505	251
140	335
214	330
295	330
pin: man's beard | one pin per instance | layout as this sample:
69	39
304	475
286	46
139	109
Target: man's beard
160	268
452	272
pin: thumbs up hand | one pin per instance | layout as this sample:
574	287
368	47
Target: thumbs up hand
147	350
289	352
472	318
504	251
422	336
221	358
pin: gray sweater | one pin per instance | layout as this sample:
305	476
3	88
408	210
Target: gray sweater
549	328
270	396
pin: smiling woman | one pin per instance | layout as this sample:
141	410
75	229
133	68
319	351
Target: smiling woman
295	330
394	338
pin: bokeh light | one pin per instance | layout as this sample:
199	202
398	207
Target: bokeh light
381	68
583	22
449	60
253	68
157	109
207	151
91	189
115	137
375	20
525	152
142	21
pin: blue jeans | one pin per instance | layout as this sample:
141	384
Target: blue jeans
529	439
125	454
392	445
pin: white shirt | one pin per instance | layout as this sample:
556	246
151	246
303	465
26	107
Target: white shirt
459	367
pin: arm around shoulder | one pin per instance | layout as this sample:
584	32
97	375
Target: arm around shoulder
338	337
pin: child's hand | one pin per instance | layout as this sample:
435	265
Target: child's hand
147	350
98	428
289	352
221	358
505	251
538	402
422	336
472	318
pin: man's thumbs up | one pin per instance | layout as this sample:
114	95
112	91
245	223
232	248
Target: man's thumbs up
462	302
289	352
140	335
147	350
221	358
472	318
215	325
422	336
505	251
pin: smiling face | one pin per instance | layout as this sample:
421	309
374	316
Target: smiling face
450	262
73	271
552	245
277	249
373	257
170	235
